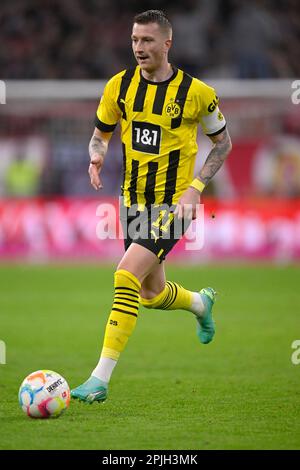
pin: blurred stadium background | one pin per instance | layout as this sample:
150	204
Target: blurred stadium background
55	61
55	57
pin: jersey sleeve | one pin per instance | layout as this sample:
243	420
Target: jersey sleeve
108	112
210	117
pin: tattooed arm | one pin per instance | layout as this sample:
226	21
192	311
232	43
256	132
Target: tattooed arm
97	149
187	204
216	157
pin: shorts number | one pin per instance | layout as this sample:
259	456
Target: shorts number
162	224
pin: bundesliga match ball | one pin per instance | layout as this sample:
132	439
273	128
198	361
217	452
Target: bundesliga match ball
44	394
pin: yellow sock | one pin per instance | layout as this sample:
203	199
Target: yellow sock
123	316
172	297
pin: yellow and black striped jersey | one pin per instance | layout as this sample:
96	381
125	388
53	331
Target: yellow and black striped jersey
159	122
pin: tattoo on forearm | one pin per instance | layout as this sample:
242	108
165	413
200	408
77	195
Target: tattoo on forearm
216	157
98	146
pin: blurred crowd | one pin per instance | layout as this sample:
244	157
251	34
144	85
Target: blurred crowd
43	151
90	39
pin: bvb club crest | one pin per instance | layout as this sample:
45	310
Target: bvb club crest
173	110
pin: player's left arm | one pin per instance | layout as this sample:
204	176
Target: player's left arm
221	149
187	205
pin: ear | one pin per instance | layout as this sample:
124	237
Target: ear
168	44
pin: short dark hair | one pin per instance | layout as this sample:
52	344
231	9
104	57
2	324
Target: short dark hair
153	16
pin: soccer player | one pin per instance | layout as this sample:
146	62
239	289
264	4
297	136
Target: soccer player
159	108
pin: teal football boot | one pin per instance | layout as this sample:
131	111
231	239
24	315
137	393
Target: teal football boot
206	325
91	390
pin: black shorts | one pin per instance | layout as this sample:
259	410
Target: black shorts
156	228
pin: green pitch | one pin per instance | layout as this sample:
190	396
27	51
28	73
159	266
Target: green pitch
168	391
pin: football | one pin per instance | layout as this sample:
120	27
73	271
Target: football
44	394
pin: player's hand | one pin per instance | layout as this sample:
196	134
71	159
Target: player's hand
94	170
187	205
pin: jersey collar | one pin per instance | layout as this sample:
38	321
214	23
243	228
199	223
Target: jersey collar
165	82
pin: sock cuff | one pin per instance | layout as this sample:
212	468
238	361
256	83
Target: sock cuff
110	353
173	297
155	301
128	275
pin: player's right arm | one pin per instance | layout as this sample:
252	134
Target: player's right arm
97	149
107	117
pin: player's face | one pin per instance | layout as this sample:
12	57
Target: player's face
150	46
